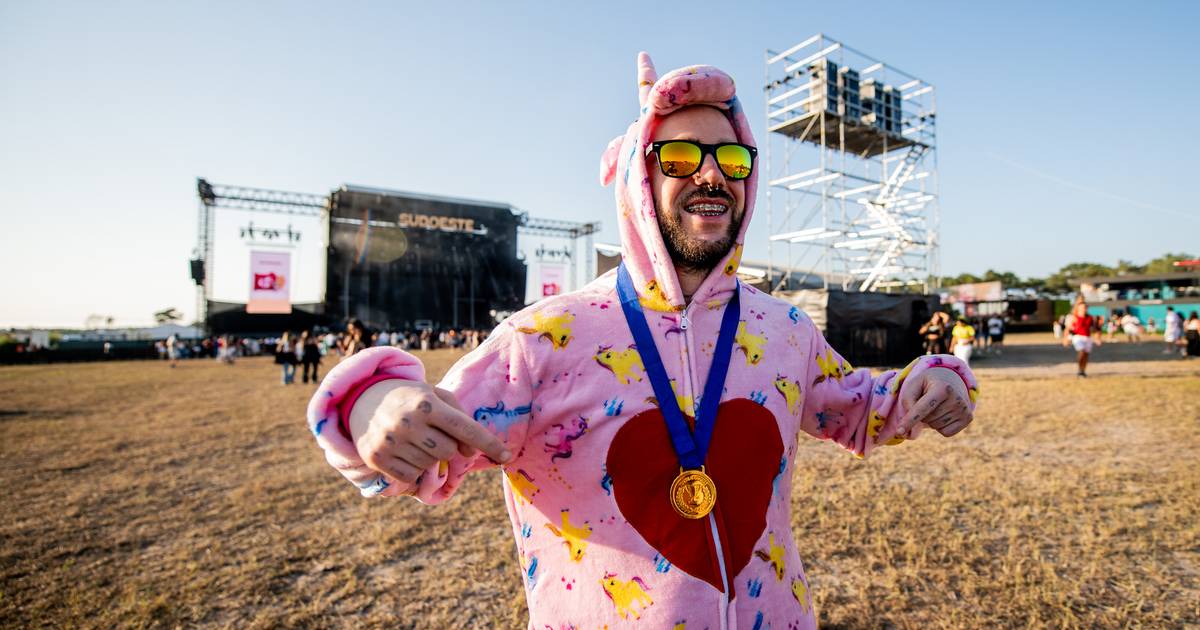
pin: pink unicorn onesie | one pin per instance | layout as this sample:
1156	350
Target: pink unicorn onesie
567	389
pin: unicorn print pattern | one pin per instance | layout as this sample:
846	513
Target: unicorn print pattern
561	384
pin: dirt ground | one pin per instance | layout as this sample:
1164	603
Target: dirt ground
136	495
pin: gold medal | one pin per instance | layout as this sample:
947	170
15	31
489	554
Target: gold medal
693	493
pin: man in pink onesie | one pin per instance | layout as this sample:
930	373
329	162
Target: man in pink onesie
661	495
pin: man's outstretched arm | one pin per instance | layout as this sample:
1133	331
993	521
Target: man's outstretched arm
388	432
860	412
401	428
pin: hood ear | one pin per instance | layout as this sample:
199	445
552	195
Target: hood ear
608	161
646	77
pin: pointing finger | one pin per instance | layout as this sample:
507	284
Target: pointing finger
461	427
448	398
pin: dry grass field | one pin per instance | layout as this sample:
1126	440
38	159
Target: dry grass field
140	496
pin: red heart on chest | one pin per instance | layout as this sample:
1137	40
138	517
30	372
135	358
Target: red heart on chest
743	459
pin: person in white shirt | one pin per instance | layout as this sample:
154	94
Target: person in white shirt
1132	327
995	329
1172	331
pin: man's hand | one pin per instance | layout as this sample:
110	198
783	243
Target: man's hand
940	400
400	428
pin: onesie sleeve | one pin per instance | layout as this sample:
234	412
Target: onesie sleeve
856	410
491	383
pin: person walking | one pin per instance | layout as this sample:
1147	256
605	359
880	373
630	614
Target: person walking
962	340
225	350
1173	331
285	357
995	331
1083	334
1132	327
310	356
1191	332
357	338
933	332
1111	327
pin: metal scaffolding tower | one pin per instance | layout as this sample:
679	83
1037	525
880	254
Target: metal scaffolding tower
851	159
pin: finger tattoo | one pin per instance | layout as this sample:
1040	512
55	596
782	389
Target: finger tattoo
429	443
425	406
400	475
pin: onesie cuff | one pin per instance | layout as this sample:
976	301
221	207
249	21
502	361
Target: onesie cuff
343	384
924	363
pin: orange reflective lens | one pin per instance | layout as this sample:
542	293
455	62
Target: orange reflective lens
679	159
682	158
735	160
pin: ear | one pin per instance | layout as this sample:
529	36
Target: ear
646	77
608	161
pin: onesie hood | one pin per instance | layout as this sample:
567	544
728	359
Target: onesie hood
625	162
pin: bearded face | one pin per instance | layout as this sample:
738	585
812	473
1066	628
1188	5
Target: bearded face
699	216
699	251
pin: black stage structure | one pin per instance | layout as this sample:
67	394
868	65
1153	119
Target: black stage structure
868	328
407	261
395	260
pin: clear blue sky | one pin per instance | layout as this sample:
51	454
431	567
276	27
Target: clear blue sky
1065	134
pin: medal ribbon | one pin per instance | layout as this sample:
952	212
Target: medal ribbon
691	449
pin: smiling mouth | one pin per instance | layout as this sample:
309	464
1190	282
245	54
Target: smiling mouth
707	209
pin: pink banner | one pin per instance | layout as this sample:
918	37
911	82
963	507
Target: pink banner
270	280
977	292
553	277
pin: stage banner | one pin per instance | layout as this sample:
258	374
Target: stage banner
976	292
270	280
553	279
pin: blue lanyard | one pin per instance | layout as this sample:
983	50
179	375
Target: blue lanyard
691	449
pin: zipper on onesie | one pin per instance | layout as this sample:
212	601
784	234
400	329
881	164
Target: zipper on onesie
723	604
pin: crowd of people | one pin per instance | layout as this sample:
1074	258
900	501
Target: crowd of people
310	348
944	333
1180	336
223	347
307	350
963	337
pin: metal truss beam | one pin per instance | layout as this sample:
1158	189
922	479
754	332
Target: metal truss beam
555	227
260	199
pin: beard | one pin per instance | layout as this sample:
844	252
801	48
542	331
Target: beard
691	252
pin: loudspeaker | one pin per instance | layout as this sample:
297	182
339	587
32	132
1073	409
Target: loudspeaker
197	271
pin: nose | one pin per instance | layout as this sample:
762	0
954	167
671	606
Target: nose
709	172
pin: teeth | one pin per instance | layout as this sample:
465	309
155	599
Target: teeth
707	209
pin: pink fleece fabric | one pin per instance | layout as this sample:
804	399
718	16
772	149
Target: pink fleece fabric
561	384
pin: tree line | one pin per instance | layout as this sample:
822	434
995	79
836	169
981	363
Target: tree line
1060	281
